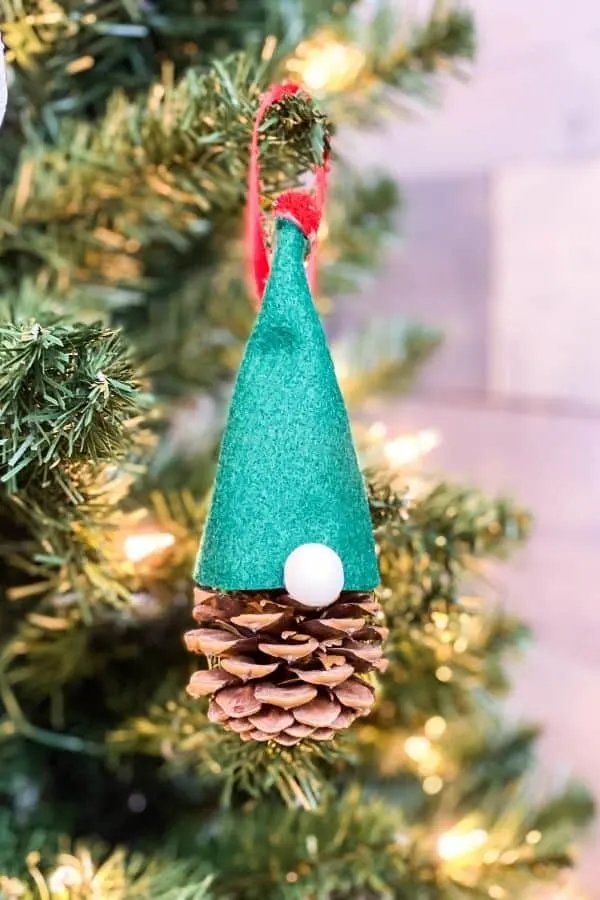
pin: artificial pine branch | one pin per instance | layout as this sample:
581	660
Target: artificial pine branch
399	59
426	542
70	56
154	170
67	397
359	844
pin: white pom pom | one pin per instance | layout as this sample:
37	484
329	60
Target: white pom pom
313	575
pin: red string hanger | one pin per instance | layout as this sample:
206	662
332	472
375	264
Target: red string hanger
306	204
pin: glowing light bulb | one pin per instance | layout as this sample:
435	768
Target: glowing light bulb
453	844
435	727
440	620
325	63
407	449
139	546
320	69
533	837
443	673
418	748
432	785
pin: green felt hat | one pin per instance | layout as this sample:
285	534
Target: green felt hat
288	473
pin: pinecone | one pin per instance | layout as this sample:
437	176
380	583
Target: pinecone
281	672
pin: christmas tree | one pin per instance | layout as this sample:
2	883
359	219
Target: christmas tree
125	149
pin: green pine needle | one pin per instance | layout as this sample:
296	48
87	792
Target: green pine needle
68	397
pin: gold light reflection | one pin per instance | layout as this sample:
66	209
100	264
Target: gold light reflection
435	727
432	785
408	449
140	546
454	844
417	748
327	64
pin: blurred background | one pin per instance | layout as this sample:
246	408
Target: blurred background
500	226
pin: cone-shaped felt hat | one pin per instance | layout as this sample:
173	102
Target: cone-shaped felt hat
288	473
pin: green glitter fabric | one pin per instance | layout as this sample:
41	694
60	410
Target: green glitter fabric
288	472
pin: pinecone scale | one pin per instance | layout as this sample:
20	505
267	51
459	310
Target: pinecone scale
280	672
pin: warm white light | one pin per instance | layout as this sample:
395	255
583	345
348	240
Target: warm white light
319	70
403	451
533	837
418	748
325	63
435	727
139	546
443	673
331	66
454	844
440	620
432	785
377	431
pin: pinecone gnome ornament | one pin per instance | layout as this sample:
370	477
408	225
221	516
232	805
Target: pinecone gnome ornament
287	564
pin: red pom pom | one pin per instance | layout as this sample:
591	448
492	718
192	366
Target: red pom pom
278	92
302	208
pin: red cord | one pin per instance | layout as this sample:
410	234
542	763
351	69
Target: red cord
256	248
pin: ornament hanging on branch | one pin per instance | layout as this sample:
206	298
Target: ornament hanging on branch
287	563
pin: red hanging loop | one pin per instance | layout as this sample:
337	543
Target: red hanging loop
256	248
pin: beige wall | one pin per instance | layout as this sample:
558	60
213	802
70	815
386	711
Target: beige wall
509	169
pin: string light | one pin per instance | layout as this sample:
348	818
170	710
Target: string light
407	449
325	63
435	727
418	748
139	546
509	857
454	845
443	673
432	785
440	620
533	837
460	645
